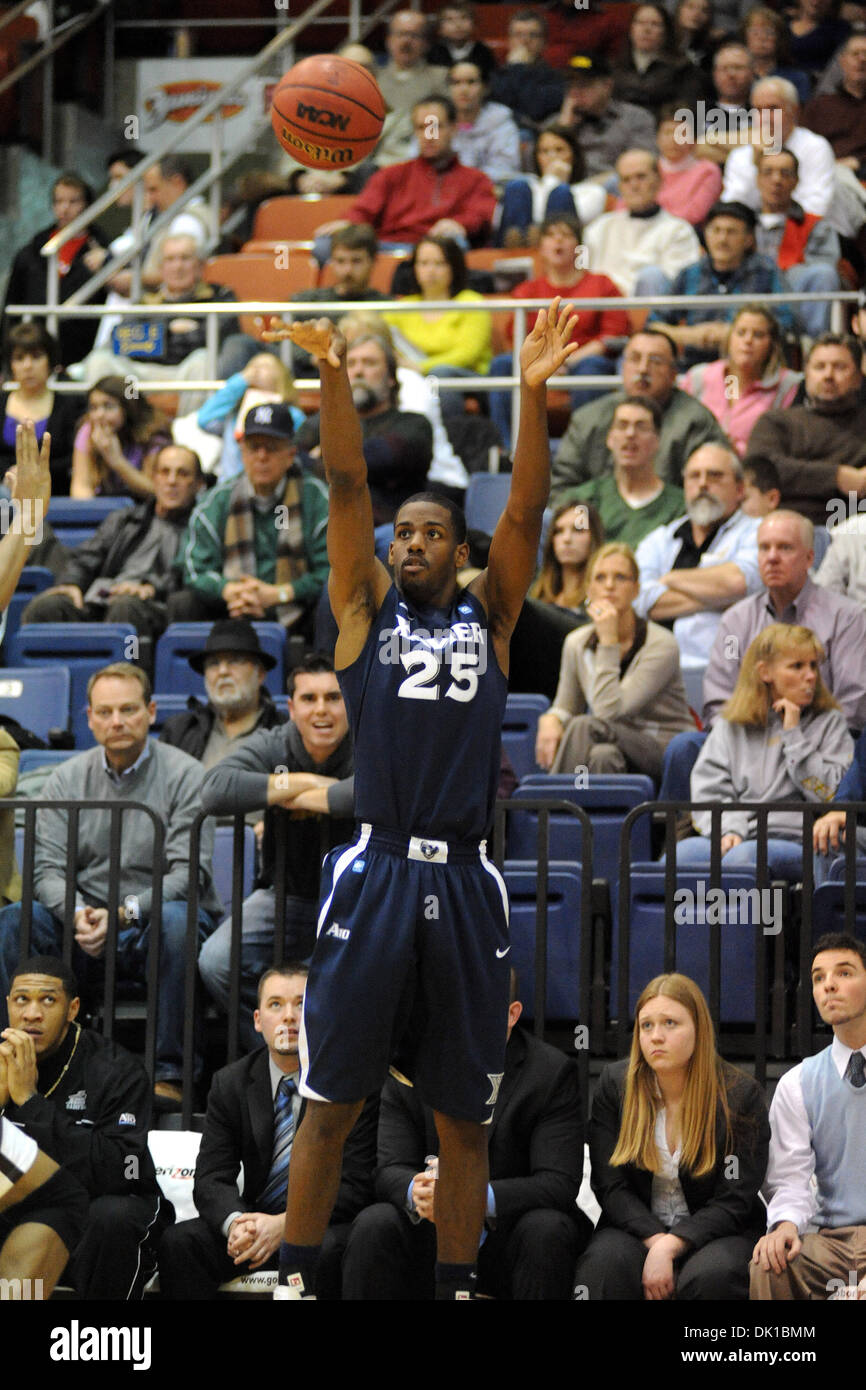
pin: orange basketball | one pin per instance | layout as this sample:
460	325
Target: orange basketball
328	112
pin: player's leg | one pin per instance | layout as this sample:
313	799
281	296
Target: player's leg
461	1190
314	1180
35	1252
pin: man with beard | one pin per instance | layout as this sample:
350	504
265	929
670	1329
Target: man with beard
398	445
819	448
234	669
253	1111
695	567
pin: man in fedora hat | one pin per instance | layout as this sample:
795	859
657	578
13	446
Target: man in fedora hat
234	667
255	546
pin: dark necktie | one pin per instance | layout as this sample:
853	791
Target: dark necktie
856	1072
273	1197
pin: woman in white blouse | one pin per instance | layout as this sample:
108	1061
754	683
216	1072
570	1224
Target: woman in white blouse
620	698
678	1141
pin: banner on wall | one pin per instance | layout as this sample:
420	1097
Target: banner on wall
171	91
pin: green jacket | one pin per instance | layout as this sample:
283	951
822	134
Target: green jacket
200	557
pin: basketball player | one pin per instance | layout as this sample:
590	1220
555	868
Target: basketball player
37	1239
413	930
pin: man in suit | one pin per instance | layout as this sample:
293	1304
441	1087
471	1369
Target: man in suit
253	1111
533	1232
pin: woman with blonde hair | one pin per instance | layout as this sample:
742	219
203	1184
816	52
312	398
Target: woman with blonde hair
749	377
678	1141
780	737
620	698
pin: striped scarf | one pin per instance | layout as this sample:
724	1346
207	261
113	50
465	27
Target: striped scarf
239	549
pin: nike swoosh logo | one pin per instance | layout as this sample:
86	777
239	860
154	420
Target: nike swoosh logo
500	954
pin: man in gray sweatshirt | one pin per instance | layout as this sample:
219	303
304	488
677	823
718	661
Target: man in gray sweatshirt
125	766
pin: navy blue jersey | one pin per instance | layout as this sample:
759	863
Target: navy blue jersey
426	699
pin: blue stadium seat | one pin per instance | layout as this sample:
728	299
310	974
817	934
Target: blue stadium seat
175	676
563	936
739	916
81	648
486	496
828	907
608	798
43	757
37	697
75	519
222	863
519	728
34	579
166	706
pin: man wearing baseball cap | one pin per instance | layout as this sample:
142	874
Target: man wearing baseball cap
255	547
605	128
234	667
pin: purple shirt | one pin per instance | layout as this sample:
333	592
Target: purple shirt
839	624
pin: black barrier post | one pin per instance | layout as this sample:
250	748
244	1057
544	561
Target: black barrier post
236	944
190	971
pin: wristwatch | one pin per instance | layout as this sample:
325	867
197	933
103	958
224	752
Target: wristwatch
283	594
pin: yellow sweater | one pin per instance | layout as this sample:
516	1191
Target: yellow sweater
454	340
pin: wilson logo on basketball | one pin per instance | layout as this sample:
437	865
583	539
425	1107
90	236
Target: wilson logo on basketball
319	116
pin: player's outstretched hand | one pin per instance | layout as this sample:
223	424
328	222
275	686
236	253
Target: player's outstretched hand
319	337
31	481
548	346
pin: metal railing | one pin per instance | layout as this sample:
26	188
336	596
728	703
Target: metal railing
117	810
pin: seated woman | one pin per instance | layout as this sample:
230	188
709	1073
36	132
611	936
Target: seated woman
766	37
487	136
223	411
690	186
676	1221
815	34
752	357
31	356
116	443
558	185
624	671
694	33
442	342
780	737
652	72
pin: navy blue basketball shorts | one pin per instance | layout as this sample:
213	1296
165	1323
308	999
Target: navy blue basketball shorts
411	967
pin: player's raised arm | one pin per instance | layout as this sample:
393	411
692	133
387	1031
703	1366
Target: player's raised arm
514	550
30	483
357	582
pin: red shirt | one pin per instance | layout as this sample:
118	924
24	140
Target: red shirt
404	201
591	324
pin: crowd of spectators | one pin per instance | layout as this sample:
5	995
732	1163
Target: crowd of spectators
703	536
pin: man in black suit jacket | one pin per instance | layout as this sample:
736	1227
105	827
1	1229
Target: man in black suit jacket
231	1234
534	1230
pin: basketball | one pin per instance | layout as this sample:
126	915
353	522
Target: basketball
328	112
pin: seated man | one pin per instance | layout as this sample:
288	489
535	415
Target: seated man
303	768
534	1231
829	832
778	105
696	566
433	194
788	595
840	115
633	245
405	79
632	500
353	254
238	701
605	128
730	266
817	1124
86	1102
819	448
163	348
253	1111
525	82
398	444
125	765
255	545
649	368
763	493
801	244
42	1213
558	245
125	572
